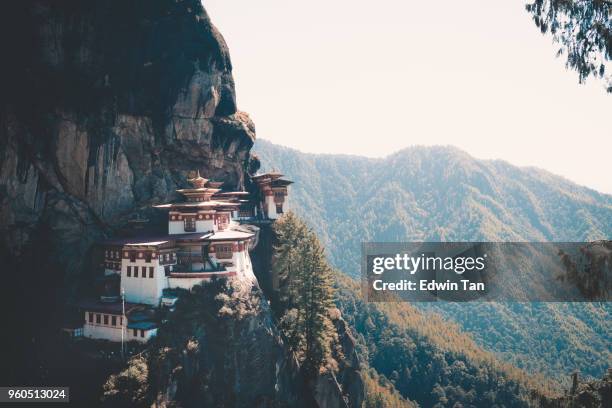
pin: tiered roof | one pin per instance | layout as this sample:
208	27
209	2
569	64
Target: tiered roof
206	195
272	178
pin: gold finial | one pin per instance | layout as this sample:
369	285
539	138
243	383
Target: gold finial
197	181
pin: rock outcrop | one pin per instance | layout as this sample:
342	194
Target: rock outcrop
105	107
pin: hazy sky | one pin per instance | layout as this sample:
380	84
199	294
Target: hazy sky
372	77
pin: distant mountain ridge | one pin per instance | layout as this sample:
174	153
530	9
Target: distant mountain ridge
443	194
434	194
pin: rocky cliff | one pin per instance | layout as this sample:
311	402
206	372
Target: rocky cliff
222	348
105	108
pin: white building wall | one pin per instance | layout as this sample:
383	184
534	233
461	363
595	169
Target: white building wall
102	331
176	227
205	225
185	283
113	333
143	289
271	207
148	335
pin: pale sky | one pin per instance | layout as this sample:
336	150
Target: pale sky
373	77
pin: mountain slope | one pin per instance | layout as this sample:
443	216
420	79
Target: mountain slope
441	193
432	194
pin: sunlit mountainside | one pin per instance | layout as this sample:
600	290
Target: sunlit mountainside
443	194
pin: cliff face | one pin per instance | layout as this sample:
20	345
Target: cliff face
105	107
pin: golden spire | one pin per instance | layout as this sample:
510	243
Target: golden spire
197	181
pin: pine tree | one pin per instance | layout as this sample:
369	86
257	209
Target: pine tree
306	286
315	299
583	29
289	230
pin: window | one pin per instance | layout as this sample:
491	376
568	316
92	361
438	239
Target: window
222	221
114	320
151	271
129	271
223	251
190	224
141	333
135	271
90	315
135	332
132	256
121	321
279	208
106	319
144	272
147	256
98	319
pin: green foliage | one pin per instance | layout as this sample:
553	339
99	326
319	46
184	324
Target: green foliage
583	29
429	360
189	354
130	387
380	393
433	194
306	286
441	193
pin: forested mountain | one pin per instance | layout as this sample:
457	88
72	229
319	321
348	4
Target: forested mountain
430	360
443	194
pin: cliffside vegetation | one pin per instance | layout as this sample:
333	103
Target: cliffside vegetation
443	194
219	348
412	356
306	294
106	106
429	360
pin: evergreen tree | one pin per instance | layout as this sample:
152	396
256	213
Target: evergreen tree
306	287
583	29
289	230
315	299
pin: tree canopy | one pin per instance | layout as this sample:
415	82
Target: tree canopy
306	286
583	29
